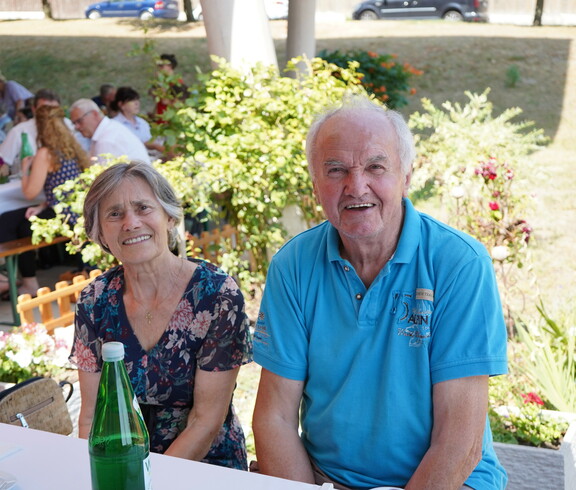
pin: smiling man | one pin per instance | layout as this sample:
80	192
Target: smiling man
380	326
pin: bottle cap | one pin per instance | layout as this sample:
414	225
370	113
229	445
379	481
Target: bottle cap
113	351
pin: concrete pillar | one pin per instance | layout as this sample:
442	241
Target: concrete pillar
301	38
238	30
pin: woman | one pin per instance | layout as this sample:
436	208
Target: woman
182	322
127	105
58	159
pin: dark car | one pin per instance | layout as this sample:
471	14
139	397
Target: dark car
144	9
469	10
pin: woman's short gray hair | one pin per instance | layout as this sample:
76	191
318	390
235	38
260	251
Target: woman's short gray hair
353	103
111	178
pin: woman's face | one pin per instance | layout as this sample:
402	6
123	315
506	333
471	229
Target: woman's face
133	224
130	108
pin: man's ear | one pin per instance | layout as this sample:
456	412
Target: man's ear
408	179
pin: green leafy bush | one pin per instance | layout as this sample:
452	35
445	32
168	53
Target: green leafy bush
381	74
548	357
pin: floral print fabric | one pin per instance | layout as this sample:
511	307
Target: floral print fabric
209	330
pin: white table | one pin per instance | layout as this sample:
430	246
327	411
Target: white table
45	461
11	196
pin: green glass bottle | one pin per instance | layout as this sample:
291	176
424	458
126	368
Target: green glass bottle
119	444
25	147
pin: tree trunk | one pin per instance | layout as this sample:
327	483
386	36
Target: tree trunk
538	13
189	11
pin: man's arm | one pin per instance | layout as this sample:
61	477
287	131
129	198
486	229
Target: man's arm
460	407
276	420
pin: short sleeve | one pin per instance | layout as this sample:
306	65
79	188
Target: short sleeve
86	348
469	335
281	337
228	343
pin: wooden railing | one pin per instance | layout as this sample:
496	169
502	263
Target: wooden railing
41	309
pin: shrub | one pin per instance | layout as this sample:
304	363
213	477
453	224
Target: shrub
381	74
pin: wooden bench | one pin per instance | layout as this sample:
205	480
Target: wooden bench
10	252
62	297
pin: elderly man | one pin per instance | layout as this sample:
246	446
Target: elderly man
108	137
381	325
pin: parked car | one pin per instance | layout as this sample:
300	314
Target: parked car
144	9
275	9
456	10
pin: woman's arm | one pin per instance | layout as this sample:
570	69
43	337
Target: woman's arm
34	173
88	392
212	395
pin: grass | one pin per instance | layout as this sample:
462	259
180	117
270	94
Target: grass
75	57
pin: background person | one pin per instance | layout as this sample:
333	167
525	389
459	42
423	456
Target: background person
127	106
59	158
105	98
181	321
13	95
107	137
382	323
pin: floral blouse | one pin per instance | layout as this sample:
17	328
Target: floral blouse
208	330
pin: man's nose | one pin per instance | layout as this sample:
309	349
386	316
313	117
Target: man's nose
356	184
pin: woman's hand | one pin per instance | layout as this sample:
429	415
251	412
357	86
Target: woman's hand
35	210
25	165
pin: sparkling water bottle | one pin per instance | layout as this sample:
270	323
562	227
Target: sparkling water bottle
119	444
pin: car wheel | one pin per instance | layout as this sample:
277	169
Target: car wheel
145	15
367	15
453	15
94	15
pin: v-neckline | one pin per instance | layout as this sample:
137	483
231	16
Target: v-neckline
161	340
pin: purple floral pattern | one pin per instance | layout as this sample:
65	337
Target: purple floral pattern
209	330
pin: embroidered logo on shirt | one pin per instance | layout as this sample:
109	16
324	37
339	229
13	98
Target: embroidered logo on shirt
416	316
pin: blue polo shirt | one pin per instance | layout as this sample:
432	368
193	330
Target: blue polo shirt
369	357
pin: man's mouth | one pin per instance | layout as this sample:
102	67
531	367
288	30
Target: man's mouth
360	206
136	239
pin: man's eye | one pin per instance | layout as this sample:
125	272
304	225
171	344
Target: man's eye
335	170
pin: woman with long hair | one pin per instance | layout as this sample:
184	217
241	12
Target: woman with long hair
59	158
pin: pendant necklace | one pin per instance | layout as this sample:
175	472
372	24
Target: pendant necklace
148	314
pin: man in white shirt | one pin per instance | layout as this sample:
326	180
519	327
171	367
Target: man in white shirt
11	146
108	137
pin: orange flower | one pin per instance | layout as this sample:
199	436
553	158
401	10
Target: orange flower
412	91
372	54
384	97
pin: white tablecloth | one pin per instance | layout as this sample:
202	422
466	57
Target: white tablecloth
44	461
11	196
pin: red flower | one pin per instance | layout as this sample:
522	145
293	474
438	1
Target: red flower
532	398
494	206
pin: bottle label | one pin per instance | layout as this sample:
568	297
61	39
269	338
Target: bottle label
147	477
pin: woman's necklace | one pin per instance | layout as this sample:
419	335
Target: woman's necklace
148	314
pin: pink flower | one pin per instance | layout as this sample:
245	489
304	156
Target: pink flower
532	398
85	360
494	206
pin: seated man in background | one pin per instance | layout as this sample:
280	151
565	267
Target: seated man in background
105	99
11	147
381	325
108	137
13	95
